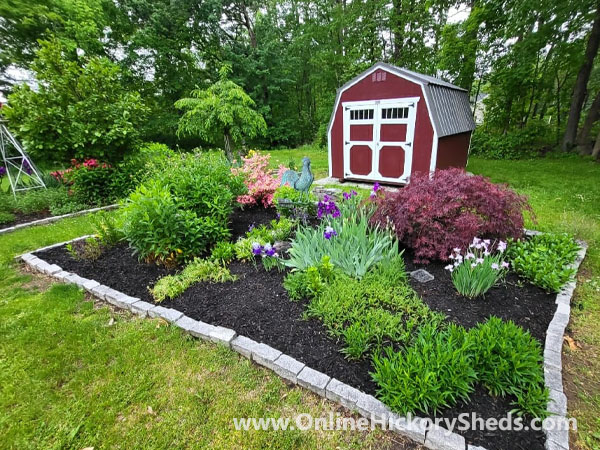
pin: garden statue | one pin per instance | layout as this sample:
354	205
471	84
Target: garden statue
300	181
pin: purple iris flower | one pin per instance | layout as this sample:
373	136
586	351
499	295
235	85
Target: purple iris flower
256	248
346	196
251	227
329	233
2	171
375	187
269	250
327	207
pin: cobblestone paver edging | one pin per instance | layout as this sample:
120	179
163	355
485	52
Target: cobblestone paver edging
420	430
51	219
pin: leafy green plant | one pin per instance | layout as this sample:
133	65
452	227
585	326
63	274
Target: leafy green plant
106	228
544	259
182	210
509	361
288	200
223	252
436	371
197	271
6	217
368	246
380	308
479	269
88	249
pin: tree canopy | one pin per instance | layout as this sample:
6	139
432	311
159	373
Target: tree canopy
534	62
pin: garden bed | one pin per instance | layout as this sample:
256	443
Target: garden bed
257	306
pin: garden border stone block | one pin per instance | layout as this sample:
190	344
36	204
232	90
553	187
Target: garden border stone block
53	268
553	378
125	301
342	393
185	323
557	404
287	367
141	308
90	284
244	346
438	438
168	314
222	335
62	275
202	330
369	407
314	380
100	291
265	355
415	429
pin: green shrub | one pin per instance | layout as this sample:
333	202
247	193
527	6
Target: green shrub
509	361
92	185
435	372
6	217
544	259
277	230
88	249
182	210
378	309
223	252
197	271
520	143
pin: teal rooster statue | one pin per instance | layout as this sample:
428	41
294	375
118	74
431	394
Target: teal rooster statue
300	181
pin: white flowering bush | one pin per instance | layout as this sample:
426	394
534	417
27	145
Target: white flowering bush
480	268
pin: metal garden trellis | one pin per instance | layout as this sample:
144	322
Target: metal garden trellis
22	174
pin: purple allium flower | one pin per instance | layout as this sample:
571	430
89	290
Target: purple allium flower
256	248
2	171
329	233
269	250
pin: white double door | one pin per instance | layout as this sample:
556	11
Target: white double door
379	138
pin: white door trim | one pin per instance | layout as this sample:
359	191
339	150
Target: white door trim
375	144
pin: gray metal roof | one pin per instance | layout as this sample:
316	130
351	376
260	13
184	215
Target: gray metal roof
448	104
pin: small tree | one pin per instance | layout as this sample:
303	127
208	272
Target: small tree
221	112
81	109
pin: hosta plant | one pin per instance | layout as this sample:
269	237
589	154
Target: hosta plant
475	272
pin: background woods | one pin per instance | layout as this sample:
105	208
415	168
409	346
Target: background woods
530	67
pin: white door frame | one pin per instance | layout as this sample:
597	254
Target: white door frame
375	144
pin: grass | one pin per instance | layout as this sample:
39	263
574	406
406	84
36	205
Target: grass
318	158
565	195
76	374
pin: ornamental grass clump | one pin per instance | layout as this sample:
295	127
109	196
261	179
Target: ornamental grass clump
434	214
475	272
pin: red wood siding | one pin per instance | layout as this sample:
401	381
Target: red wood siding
392	86
453	151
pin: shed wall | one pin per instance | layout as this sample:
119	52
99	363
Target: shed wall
453	151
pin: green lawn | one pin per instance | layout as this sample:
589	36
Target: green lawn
75	374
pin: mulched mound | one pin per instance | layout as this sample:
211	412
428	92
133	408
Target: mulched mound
257	306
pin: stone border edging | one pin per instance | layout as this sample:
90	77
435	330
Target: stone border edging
51	219
557	404
418	429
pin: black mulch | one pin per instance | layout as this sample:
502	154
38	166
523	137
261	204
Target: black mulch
24	218
257	306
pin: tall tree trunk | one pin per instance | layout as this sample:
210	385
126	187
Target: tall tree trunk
596	150
580	88
583	139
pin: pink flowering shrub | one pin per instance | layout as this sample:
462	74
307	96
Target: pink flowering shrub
434	215
258	179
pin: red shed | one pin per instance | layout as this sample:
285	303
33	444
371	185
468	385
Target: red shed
390	122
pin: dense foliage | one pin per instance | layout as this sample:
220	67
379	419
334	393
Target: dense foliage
433	215
183	209
259	180
290	57
80	109
544	259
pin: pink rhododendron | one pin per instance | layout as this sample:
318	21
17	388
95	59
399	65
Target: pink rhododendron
260	182
434	215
